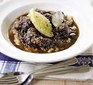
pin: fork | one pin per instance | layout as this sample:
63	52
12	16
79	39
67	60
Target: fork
25	79
17	78
62	64
49	67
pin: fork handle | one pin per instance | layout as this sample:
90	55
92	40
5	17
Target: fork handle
58	65
79	69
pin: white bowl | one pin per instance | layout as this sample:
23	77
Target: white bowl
12	9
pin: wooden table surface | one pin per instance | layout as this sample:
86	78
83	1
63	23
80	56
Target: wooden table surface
60	82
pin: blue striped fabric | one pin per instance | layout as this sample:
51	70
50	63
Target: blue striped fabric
6	58
8	64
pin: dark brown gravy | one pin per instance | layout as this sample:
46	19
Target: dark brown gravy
25	48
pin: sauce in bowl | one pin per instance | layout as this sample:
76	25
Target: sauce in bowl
24	35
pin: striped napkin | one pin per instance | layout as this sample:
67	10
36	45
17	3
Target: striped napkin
11	65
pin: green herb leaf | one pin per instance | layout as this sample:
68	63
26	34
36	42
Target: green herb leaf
41	23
